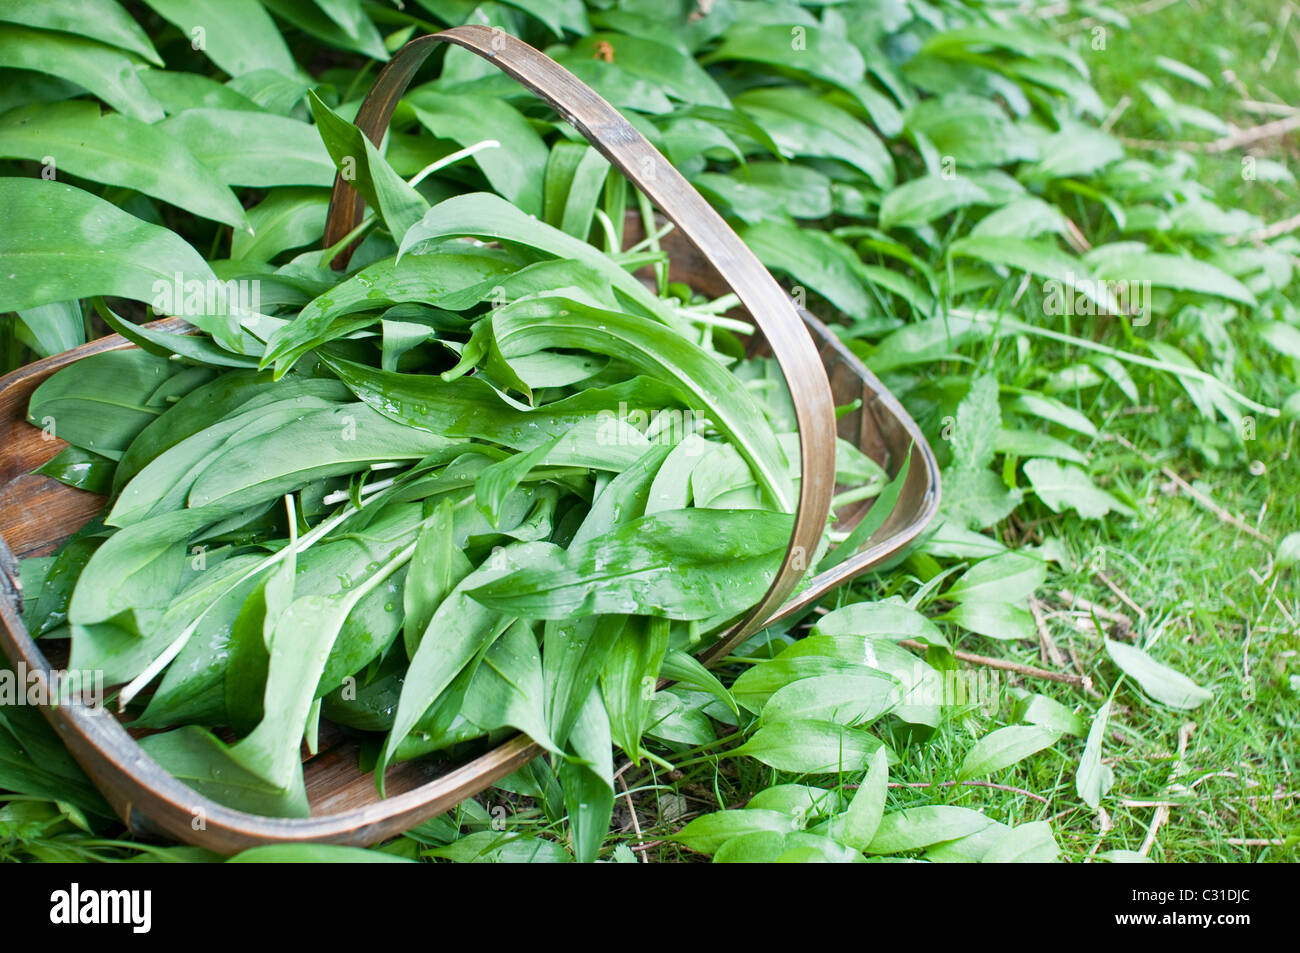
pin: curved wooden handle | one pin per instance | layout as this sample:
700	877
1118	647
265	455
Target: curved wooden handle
645	167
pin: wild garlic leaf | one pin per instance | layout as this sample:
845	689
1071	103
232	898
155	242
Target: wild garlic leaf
685	564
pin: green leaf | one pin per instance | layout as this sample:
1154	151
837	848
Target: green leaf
890	620
672	70
426	279
1010	577
55	327
526	327
810	747
102	20
929	197
996	620
516	169
804	124
287	218
118	150
627	680
1038	258
589	787
82	469
1170	271
1062	486
844	699
1030	843
923	826
97	250
104	402
249	148
1049	713
708	833
328	442
1162	683
978	420
977	498
490	217
1003	748
437	566
109	73
459	629
1093	779
366	170
813	258
680	564
857	826
237	35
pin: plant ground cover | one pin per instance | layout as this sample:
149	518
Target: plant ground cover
1182	577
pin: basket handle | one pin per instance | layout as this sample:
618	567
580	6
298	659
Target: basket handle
645	167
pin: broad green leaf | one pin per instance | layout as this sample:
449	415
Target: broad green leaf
526	327
487	216
1010	577
257	149
627	680
812	258
996	620
978	419
857	826
672	70
459	629
1004	747
929	197
118	150
681	564
109	73
1026	217
1038	257
922	826
102	20
844	699
1092	779
708	833
507	689
1048	408
55	327
1170	271
810	747
367	171
516	168
287	218
1062	486
237	35
427	279
890	620
804	124
589	787
1049	713
339	23
977	498
104	403
97	250
1030	843
1164	684
800	801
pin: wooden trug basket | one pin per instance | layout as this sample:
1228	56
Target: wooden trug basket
37	513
